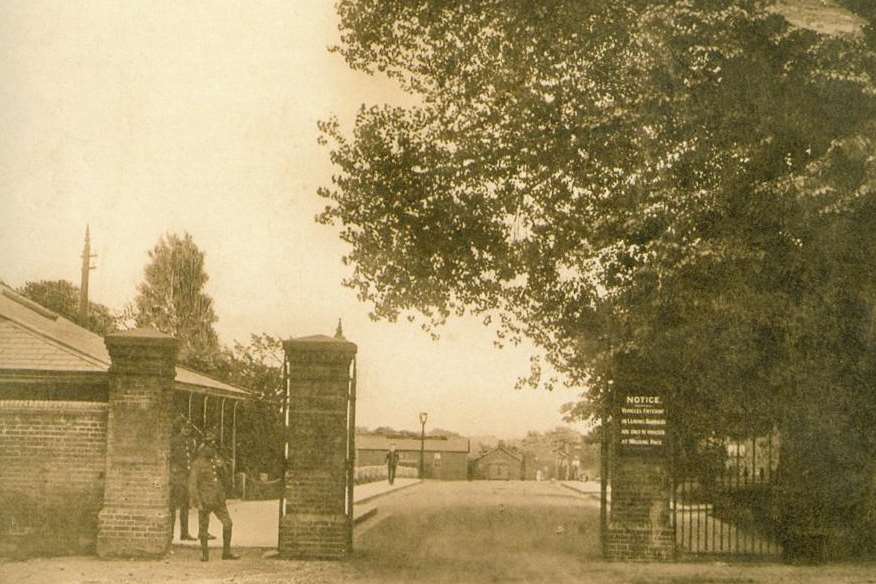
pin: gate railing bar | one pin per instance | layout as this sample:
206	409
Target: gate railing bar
723	488
710	518
738	478
603	484
351	450
771	544
713	497
687	523
754	476
286	405
689	516
701	509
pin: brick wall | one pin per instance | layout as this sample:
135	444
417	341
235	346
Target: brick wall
52	463
318	491
639	525
314	536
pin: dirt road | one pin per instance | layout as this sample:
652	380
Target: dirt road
443	532
481	531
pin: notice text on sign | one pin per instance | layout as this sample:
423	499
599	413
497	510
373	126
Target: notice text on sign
642	420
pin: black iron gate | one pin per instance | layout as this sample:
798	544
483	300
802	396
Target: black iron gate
724	498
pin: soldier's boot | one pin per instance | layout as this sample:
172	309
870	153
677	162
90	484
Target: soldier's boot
184	534
205	550
226	545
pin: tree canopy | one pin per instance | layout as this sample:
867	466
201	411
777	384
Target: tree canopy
62	296
673	196
597	173
171	298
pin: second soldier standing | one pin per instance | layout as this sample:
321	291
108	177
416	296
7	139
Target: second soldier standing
182	451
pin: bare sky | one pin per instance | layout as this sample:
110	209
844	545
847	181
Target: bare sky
144	117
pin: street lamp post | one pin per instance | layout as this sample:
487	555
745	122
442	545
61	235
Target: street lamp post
423	417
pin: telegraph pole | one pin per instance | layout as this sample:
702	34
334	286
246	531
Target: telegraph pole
86	269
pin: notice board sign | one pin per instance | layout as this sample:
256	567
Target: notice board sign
642	424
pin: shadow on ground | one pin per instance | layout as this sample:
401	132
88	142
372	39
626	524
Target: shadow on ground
481	532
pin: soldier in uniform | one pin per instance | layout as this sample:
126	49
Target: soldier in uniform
182	451
207	493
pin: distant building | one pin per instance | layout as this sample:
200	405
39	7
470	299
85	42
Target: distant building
444	457
499	464
755	460
576	460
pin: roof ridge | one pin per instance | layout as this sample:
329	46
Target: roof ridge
210	377
503	449
23	300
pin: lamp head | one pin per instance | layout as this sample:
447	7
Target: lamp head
423	417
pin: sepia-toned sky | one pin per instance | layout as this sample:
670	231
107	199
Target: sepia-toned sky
145	117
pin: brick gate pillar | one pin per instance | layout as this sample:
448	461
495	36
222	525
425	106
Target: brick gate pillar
135	519
639	522
315	522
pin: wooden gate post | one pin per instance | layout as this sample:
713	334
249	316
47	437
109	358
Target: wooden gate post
316	521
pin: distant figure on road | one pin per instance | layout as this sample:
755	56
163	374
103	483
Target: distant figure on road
207	493
391	463
182	451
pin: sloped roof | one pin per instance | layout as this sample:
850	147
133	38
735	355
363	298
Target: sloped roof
500	449
22	349
430	444
33	338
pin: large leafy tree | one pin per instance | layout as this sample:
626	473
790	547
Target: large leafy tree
171	298
669	195
62	296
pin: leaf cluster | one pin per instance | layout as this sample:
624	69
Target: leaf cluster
171	298
632	185
62	297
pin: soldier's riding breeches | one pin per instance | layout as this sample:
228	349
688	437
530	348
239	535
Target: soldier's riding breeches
221	513
179	499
